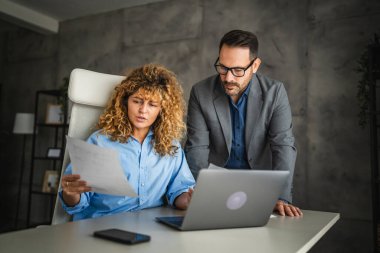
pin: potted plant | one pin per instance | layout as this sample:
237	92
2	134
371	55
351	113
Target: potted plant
63	98
364	83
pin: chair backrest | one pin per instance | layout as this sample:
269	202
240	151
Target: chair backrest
89	93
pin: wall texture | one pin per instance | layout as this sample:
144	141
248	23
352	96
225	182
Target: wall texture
312	46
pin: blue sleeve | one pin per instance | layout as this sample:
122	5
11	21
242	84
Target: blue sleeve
181	179
84	197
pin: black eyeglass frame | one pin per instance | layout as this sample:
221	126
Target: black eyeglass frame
231	69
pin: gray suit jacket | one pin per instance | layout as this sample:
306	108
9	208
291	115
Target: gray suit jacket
268	133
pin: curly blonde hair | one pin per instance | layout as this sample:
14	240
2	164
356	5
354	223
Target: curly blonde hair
154	81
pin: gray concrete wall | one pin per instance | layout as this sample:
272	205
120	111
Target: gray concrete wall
312	46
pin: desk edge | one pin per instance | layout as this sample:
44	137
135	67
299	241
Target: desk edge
319	235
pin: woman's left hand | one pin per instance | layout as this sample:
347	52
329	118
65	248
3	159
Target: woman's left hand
183	200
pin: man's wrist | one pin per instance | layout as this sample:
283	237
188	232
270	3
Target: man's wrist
285	201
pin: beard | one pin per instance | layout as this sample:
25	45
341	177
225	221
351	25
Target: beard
231	88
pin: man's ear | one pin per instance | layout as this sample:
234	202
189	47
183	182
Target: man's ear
256	65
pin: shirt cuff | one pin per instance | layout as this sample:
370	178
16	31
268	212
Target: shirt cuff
73	209
176	194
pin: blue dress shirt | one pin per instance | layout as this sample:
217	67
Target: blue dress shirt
152	177
238	155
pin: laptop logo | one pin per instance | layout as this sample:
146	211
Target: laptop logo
236	200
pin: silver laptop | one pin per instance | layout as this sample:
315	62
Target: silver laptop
230	199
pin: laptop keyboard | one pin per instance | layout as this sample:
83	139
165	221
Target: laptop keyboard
176	220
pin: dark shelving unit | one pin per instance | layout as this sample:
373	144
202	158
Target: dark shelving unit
54	163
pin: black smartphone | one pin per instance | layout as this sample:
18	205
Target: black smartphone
122	236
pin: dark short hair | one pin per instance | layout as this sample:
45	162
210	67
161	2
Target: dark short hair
239	38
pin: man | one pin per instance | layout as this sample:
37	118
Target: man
240	119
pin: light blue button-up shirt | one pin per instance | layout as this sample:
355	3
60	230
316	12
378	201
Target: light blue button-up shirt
152	177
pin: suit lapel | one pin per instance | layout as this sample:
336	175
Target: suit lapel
222	109
254	105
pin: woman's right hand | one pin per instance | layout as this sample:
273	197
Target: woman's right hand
72	187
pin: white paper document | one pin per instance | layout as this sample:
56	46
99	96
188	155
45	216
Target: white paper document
99	167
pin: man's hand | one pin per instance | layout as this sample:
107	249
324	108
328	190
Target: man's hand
183	200
283	209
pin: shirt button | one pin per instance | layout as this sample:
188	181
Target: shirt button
142	184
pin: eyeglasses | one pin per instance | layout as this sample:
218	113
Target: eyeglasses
236	71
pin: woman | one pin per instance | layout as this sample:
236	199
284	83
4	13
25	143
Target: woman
144	122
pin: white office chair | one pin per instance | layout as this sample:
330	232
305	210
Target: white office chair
89	93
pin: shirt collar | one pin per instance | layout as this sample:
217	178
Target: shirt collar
150	133
246	92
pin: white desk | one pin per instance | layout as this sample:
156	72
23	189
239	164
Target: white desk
281	234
